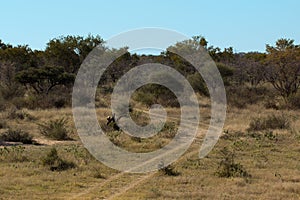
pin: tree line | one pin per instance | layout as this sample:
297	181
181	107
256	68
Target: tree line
38	78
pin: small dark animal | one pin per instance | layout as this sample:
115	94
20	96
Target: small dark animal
112	120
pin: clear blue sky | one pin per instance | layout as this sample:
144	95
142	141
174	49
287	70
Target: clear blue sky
245	25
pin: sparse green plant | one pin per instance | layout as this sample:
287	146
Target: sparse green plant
17	136
96	173
55	129
232	135
80	154
256	135
270	135
154	193
13	154
169	130
270	122
14	113
136	139
261	136
56	163
228	166
114	137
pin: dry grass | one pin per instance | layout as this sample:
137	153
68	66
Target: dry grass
271	161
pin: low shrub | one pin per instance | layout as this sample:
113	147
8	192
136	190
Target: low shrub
2	104
80	154
232	135
55	163
96	173
270	122
169	130
155	94
3	124
169	170
17	136
262	136
14	113
229	168
55	129
13	154
52	100
242	96
294	101
271	104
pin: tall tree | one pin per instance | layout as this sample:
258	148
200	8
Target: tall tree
70	51
283	67
44	79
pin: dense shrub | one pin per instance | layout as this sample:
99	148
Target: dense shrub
9	92
242	96
269	122
156	94
55	129
198	84
294	101
17	136
52	100
55	163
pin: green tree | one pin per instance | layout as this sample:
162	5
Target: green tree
21	56
70	51
44	79
249	68
283	67
4	46
9	87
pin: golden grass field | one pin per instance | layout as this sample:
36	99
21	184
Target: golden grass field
271	157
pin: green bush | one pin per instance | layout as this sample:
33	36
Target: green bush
229	168
17	136
198	84
270	122
55	129
55	163
80	154
156	94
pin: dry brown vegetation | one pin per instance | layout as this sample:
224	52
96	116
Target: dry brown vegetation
269	156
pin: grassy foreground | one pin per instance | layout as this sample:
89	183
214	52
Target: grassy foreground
252	160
